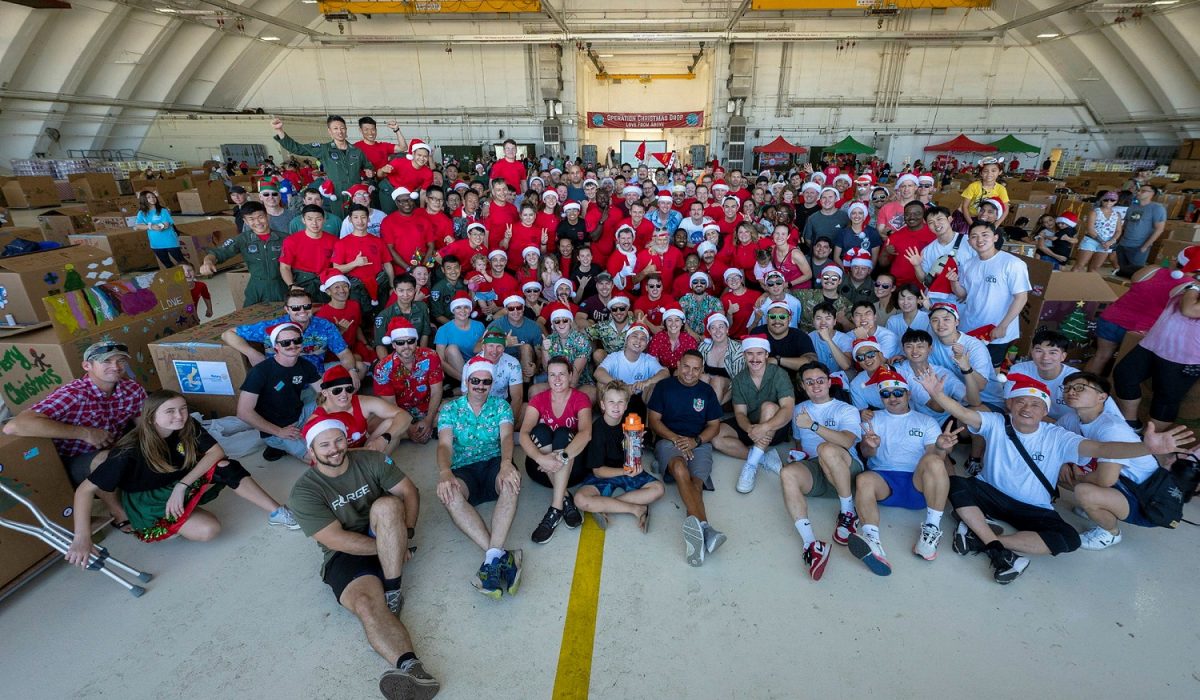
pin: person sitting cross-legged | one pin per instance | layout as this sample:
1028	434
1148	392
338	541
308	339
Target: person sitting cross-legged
763	400
272	396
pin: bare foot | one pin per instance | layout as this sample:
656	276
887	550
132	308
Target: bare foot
643	519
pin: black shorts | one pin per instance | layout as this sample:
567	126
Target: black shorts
557	439
1058	535
343	568
716	371
480	478
781	436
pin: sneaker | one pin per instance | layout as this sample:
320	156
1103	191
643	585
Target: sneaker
816	556
1007	565
572	518
1098	538
409	682
282	517
273	454
871	554
847	524
489	581
713	538
745	482
510	570
771	462
693	537
966	542
974	466
927	542
395	601
544	532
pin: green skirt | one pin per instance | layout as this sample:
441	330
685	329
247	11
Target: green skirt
147	510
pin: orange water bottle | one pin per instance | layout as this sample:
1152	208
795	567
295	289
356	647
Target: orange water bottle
632	427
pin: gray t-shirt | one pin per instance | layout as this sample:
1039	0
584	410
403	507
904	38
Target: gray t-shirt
775	387
830	225
1140	222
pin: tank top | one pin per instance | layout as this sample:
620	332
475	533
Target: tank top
791	271
1106	228
354	420
1174	337
1138	308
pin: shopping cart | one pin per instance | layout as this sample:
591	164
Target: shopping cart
60	539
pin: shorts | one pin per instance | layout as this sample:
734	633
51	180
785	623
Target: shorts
480	478
822	487
1135	517
1107	330
343	568
781	436
904	491
607	487
699	466
1092	246
79	466
1058	535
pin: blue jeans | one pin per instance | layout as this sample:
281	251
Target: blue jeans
296	448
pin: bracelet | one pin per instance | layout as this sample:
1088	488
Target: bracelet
967	371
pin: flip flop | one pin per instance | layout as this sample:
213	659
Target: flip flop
123	526
601	520
644	521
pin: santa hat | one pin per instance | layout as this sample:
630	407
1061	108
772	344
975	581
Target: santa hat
571	206
400	193
550	193
679	189
626	227
926	179
461	298
865	343
631	189
908	177
399	328
699	276
530	250
818	178
561	312
711	227
617	301
562	282
497	253
337	375
1068	218
513	299
418	145
783	305
269	185
460	185
887	378
325	187
673	313
476	226
536	178
858	257
732	272
274	331
331	277
591	181
843	176
946	306
480	364
1024	385
832	269
941	281
360	189
665	198
318	425
706	247
760	341
810	186
983	332
532	286
716	317
996	204
719	185
637	328
859	206
1189	262
830	190
730	198
864	180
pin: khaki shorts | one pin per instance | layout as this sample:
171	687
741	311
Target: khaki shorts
822	487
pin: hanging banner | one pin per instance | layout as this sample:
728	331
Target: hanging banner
645	120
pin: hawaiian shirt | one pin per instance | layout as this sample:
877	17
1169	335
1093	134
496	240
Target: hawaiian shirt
476	436
410	386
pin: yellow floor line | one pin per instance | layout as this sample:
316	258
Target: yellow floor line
574	673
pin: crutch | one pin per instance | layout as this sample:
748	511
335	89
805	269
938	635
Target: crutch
60	538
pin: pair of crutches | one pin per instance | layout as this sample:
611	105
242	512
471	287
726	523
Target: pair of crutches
60	538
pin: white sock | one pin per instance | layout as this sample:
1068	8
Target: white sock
871	532
492	555
804	527
933	517
847	504
755	456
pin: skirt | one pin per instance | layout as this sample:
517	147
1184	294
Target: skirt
146	510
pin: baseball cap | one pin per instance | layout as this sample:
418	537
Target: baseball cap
98	352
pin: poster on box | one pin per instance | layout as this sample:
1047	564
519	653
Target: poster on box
202	377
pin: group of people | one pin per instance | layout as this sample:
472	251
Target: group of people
623	327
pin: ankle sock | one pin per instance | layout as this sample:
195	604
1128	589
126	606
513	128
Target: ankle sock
847	504
408	656
492	555
412	532
933	517
391	584
804	527
756	456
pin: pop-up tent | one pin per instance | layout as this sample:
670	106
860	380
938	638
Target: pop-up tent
1012	144
780	145
849	145
961	144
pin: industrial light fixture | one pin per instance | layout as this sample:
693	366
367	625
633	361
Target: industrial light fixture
1048	35
1165	2
309	2
269	38
166	10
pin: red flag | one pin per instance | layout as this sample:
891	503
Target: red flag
667	159
640	153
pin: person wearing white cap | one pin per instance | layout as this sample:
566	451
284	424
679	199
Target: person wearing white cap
634	366
776	293
829	220
763	400
809	204
858	234
699	303
790	346
475	466
523	334
1020	443
272	397
669	344
663	215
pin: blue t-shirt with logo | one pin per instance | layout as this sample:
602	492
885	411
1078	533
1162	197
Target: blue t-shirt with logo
685	409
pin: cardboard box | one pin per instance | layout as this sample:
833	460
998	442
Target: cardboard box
27	192
1185	166
30	233
237	280
1182	231
199	365
1174	202
128	247
26	279
1030	210
31	467
93	186
1167	249
205	198
6	219
196	237
64	221
950	200
125	205
113	221
1055	294
168	190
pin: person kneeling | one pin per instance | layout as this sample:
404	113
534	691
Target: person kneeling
166	468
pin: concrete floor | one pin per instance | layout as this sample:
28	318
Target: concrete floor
246	615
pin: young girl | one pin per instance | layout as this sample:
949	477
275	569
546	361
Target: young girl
166	468
986	187
156	220
479	282
762	265
549	272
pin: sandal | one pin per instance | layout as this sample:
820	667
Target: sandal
123	526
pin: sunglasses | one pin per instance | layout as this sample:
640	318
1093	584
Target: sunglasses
303	307
289	342
339	390
883	285
618	309
406	341
517	308
561	320
268	194
476	381
654	286
775	284
778	317
868	355
893	394
830	277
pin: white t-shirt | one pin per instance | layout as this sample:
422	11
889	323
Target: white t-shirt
619	367
991	285
993	393
935	250
902	440
833	414
977	356
1112	428
899	326
919	399
1050	446
373	224
824	354
863	396
889	341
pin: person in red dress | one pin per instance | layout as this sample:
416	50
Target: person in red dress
345	313
738	302
669	344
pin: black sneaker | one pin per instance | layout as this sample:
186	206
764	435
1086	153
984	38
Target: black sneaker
395	601
572	518
409	682
967	542
1007	565
273	454
545	529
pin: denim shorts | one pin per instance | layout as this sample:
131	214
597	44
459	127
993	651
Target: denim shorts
1091	245
607	487
1107	330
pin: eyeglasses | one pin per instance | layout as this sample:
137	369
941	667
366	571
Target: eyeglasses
406	341
516	307
476	381
1079	387
561	320
883	285
778	317
868	355
289	342
268	194
893	394
302	307
339	390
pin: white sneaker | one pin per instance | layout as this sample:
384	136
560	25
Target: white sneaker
771	461
1098	538
745	482
283	517
927	542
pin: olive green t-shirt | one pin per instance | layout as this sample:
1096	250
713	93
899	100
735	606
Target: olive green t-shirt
775	387
317	500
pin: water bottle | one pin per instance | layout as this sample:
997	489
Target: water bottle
632	427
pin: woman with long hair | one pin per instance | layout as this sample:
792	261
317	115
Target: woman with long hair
1101	232
156	221
166	468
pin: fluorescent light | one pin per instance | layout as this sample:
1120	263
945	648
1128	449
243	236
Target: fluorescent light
309	2
269	38
1047	35
1165	2
606	55
166	10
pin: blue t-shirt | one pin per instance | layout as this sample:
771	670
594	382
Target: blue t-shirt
321	335
451	334
166	238
1140	222
528	333
685	409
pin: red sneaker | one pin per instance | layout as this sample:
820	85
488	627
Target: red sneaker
816	556
847	524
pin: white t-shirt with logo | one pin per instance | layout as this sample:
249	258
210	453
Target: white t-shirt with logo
1050	446
993	393
902	440
833	414
919	399
889	341
619	367
977	356
1112	428
991	285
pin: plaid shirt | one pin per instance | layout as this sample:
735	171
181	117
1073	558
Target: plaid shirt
82	403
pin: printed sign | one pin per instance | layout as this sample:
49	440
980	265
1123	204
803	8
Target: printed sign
200	377
645	120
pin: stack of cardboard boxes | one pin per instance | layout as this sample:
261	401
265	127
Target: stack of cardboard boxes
30	192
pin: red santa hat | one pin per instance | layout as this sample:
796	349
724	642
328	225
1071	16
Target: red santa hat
864	180
560	312
700	276
858	257
513	299
331	277
926	179
865	344
983	332
760	341
318	425
400	328
941	282
673	313
908	177
461	298
832	269
325	187
480	363
274	331
1189	262
359	189
887	378
946	306
830	190
631	189
550	193
843	176
996	204
418	145
810	185
665	197
336	375
719	185
1024	385
716	317
476	226
637	328
859	206
1068	218
571	206
401	192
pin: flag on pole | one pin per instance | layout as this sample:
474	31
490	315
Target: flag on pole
640	153
667	159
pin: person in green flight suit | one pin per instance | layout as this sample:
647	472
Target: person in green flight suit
260	247
343	163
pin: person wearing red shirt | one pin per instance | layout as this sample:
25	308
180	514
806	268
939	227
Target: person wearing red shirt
500	212
345	313
439	228
712	266
377	153
649	307
738	302
509	168
199	291
550	214
659	257
526	234
306	254
364	258
730	217
622	260
629	195
411	171
741	250
503	284
404	233
466	248
915	234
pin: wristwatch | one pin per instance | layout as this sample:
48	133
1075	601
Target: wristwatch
815	426
966	371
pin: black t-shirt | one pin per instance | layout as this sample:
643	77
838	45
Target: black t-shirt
794	344
1060	246
595	309
577	231
607	447
802	214
279	389
127	469
590	288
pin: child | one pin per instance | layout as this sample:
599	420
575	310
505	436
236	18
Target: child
479	282
1056	238
605	456
762	264
986	187
199	291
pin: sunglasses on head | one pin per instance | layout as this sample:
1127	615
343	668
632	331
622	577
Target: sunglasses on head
405	341
777	317
893	394
339	390
478	381
289	342
868	355
302	307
